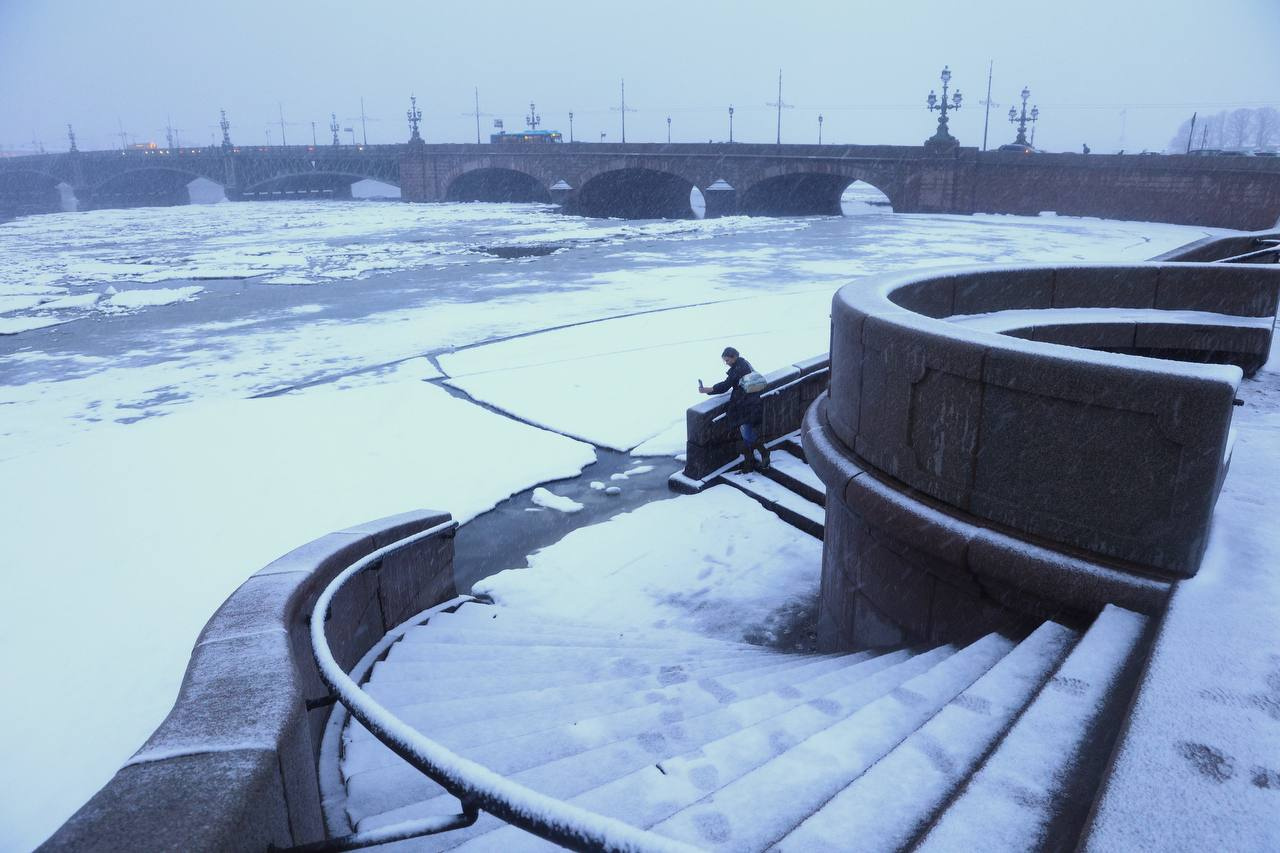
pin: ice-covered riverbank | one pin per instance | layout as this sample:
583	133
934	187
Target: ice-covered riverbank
150	476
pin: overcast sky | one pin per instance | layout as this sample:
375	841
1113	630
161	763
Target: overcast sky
1112	73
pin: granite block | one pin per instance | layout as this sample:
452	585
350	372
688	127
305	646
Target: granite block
1095	336
1003	290
1246	290
225	801
1105	287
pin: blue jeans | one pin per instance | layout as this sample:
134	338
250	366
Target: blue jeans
748	434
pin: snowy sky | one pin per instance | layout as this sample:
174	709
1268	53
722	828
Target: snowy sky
1113	74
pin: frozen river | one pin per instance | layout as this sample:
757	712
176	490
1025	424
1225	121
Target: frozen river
187	393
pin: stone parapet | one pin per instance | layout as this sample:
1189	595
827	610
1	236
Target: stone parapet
712	443
1115	454
900	568
233	766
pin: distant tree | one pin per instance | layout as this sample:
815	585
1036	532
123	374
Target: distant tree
1178	145
1238	128
1242	128
1266	127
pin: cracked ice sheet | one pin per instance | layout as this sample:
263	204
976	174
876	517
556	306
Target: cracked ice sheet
694	577
298	242
616	383
139	532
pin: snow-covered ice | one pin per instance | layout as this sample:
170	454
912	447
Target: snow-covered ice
135	533
544	497
126	299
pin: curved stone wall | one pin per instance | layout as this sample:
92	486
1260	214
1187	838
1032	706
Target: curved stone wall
978	480
233	766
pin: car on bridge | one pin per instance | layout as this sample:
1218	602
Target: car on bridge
1019	148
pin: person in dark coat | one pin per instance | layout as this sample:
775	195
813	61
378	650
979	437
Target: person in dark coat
745	412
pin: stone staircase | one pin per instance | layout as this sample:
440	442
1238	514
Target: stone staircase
788	487
1000	744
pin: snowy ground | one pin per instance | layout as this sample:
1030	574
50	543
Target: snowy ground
153	476
1207	720
723	567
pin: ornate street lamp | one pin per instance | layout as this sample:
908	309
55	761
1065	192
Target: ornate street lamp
71	135
570	125
533	119
1021	120
943	142
226	129
414	115
333	126
668	128
819	128
731	122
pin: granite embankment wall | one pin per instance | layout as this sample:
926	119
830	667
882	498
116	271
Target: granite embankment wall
234	765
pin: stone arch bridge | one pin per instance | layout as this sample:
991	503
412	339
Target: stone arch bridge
655	180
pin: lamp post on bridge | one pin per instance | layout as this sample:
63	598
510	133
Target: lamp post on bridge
333	128
226	129
570	125
731	122
781	105
1021	120
414	115
623	109
533	119
668	129
819	128
71	137
943	142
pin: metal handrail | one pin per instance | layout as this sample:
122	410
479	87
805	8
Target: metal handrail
1271	247
476	786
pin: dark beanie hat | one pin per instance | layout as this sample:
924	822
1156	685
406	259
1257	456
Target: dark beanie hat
729	352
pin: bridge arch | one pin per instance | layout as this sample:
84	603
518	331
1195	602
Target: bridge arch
24	191
159	185
635	192
806	190
314	183
496	184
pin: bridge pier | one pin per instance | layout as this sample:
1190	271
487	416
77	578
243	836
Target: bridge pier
721	199
87	199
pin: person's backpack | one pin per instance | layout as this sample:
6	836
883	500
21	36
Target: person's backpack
754	383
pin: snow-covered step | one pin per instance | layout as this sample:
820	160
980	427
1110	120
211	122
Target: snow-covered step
657	708
889	805
790	507
678	717
536	661
660	789
527	711
466	635
502	621
808	773
577	756
421	701
1031	773
795	474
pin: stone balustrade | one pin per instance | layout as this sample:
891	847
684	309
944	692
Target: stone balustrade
712	443
233	766
957	457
